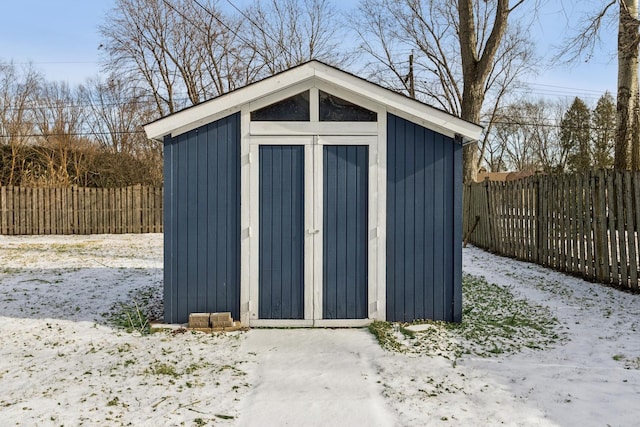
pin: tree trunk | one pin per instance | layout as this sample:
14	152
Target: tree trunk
470	108
476	67
627	138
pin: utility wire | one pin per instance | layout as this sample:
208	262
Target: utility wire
547	125
132	100
94	133
49	62
196	25
213	15
255	24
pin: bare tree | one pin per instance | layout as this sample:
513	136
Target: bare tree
182	52
114	112
228	62
516	138
59	120
17	94
186	52
136	37
464	50
55	134
552	155
525	136
285	33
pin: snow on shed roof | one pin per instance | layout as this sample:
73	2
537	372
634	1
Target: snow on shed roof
396	103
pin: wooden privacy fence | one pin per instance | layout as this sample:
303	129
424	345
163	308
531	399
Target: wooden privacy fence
584	224
77	210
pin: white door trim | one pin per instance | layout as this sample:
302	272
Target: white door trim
249	292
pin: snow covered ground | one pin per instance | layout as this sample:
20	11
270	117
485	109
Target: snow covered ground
63	363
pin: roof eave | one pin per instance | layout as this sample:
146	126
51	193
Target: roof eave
396	103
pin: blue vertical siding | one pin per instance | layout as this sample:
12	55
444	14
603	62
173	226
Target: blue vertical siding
345	225
202	220
281	252
424	246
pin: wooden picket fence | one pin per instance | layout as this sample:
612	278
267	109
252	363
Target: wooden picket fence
584	224
78	210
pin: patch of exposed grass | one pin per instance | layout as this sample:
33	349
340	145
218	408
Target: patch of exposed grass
494	322
113	402
145	305
165	369
629	362
384	333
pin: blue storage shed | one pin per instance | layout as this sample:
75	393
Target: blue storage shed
313	198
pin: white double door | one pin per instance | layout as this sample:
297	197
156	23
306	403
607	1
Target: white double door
311	238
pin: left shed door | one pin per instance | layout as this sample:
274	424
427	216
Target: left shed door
281	253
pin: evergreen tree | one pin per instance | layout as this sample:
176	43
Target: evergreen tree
603	132
575	135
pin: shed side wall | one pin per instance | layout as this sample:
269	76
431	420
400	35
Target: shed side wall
202	221
423	234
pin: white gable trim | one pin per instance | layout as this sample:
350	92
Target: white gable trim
312	74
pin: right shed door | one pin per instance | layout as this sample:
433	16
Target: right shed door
345	225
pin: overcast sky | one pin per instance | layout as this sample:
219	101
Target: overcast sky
61	38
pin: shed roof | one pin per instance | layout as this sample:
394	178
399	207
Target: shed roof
396	103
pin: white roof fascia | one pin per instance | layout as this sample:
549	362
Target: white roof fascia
400	105
224	105
395	103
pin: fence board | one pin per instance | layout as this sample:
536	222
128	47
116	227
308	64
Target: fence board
630	231
587	225
110	214
612	235
580	238
570	215
21	194
555	211
636	210
544	222
563	239
518	194
603	239
117	210
620	229
3	210
136	207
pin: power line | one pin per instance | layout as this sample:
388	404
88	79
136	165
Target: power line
58	135
235	33
127	99
255	24
48	62
565	87
549	125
